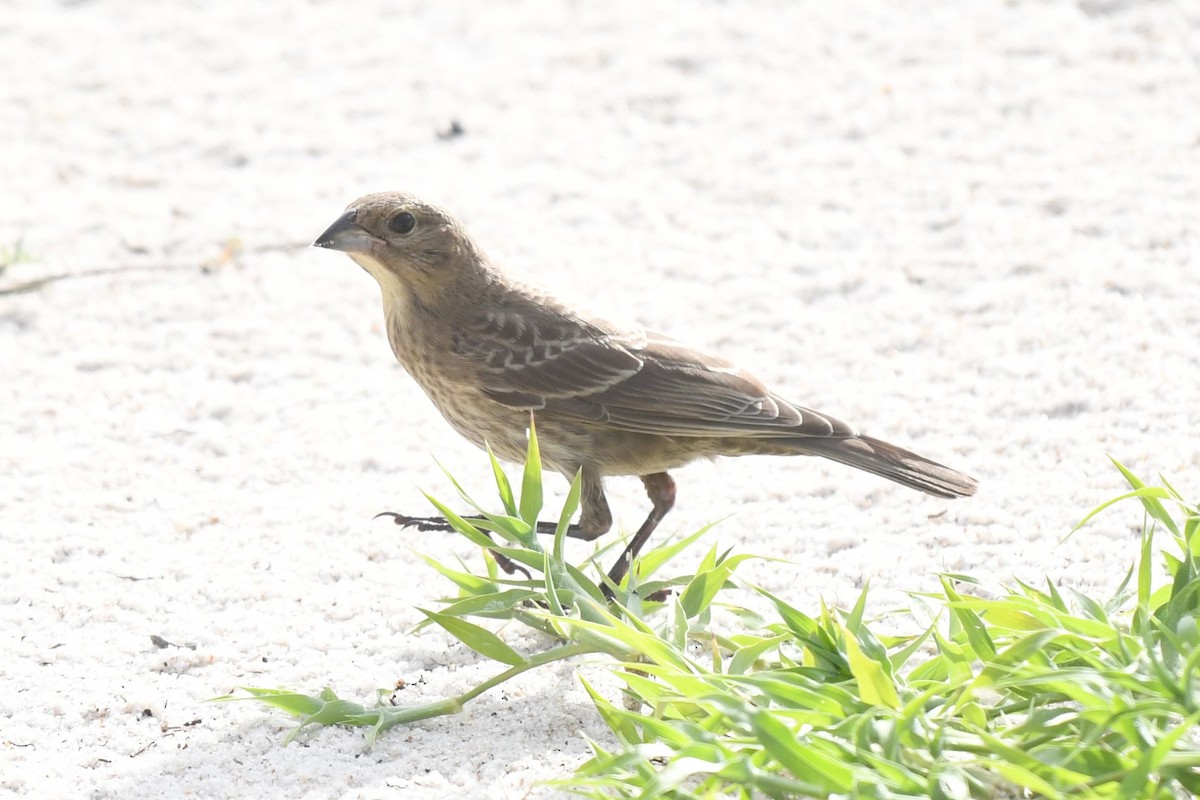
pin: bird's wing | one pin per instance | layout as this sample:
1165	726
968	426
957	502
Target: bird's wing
526	362
633	381
684	392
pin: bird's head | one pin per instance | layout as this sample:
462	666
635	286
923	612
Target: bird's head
407	245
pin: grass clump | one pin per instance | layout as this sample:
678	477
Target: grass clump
1026	692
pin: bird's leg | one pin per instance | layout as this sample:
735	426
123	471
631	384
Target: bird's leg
660	488
595	518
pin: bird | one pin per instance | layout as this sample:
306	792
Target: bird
609	399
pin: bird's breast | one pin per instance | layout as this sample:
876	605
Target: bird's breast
422	346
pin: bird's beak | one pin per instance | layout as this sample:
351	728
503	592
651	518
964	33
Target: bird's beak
346	235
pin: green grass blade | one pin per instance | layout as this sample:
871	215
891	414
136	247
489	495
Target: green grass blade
531	480
570	506
472	584
651	561
459	524
800	758
503	487
1149	495
875	683
1150	498
497	604
481	640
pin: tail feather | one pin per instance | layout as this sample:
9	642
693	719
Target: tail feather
894	463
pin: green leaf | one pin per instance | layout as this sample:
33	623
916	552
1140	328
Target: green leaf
531	481
570	506
975	629
481	640
498	605
702	588
1025	778
503	487
800	758
854	618
619	721
512	529
793	691
746	654
473	584
622	640
900	657
874	681
1144	587
459	524
295	703
462	493
1149	498
1021	651
650	562
1135	783
1149	495
325	708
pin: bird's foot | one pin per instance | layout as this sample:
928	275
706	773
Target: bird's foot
441	525
420	523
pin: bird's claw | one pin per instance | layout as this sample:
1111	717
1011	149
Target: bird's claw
509	566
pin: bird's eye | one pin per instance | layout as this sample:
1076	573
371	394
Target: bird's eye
402	223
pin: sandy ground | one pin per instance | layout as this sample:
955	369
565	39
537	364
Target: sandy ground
969	228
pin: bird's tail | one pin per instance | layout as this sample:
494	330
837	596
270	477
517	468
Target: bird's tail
894	463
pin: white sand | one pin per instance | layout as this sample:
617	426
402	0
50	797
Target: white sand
969	228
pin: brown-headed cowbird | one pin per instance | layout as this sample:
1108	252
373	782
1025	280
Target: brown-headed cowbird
608	399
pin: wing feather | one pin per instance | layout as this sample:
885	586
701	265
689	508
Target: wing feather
591	372
551	358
